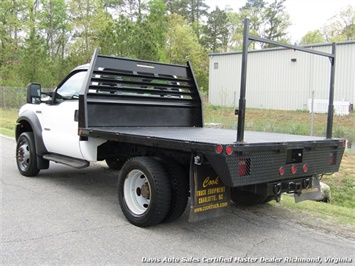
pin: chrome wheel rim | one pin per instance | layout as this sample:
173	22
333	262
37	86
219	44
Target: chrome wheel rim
137	193
23	155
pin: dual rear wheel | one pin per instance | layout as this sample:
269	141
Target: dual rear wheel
152	191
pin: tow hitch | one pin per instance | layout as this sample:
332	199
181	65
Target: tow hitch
303	189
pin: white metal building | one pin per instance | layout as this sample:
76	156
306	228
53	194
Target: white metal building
283	79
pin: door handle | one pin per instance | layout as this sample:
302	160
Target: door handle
76	115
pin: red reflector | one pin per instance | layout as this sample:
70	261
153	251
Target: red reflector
229	150
281	170
242	167
293	169
331	158
343	143
219	149
305	168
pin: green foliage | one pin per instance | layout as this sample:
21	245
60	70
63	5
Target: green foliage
312	37
150	32
235	32
184	46
42	40
267	20
276	22
216	32
341	27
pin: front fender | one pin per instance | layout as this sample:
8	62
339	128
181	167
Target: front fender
29	122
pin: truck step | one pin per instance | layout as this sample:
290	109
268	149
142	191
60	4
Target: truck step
73	162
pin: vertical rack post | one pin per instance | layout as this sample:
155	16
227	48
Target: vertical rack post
331	94
242	101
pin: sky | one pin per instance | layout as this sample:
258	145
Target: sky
305	15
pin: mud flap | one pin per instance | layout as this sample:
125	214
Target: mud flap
313	193
209	196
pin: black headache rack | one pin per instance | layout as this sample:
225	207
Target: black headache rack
120	92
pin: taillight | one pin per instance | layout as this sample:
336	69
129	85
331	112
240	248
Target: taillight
219	149
343	143
243	167
305	168
293	169
332	158
229	150
281	170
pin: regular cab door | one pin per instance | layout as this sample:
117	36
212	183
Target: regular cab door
60	119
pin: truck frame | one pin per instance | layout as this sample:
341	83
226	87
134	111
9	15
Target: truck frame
146	119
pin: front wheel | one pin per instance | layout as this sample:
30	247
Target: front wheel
144	191
26	157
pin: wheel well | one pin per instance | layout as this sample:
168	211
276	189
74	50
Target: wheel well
23	126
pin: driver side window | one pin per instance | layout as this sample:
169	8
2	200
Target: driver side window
71	87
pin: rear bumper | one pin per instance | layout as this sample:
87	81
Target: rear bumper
251	165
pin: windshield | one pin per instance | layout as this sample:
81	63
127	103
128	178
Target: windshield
71	88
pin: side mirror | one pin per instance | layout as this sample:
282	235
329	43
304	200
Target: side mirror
34	93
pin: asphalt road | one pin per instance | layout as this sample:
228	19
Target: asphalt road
67	216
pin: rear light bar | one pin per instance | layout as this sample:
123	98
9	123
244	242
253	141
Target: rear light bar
293	169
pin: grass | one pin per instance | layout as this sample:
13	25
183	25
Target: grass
321	210
290	122
8	122
342	183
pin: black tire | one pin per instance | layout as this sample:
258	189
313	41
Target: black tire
26	157
144	191
179	183
245	198
115	163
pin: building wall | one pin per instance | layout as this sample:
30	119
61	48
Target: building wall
274	81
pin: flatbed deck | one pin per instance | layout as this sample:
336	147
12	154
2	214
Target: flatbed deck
196	135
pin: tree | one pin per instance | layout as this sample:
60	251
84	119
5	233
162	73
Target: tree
341	27
55	27
183	46
276	21
131	8
235	32
116	39
178	7
215	37
12	18
196	10
89	20
253	9
312	37
267	20
149	33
